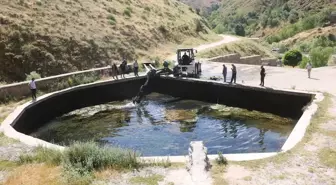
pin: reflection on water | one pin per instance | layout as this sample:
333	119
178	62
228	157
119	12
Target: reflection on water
163	125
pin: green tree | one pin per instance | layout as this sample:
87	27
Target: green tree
292	58
239	30
320	56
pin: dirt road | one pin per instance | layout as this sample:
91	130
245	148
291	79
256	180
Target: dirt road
226	39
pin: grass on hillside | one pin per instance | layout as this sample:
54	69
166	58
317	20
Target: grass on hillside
243	47
89	33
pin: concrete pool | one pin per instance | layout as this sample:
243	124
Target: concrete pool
288	104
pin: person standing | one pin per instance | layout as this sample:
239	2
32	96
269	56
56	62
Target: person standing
234	74
123	66
309	68
224	72
114	71
32	86
262	76
136	68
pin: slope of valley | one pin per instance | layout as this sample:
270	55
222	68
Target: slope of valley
53	37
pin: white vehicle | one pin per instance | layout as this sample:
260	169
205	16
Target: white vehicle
187	64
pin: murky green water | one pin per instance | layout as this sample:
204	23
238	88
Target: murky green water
163	125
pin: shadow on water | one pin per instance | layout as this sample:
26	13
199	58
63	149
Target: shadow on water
163	125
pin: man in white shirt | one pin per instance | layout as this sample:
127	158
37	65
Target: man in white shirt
309	68
32	86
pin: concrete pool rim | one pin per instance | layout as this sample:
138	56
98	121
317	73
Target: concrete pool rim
294	138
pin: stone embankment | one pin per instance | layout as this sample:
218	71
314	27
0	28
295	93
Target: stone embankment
20	90
251	60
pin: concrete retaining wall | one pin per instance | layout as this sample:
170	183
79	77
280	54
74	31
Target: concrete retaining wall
21	89
282	103
251	60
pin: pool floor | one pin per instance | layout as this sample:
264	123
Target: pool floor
164	125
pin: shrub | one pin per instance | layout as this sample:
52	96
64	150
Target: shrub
147	9
292	58
127	13
221	160
320	56
42	155
304	62
32	75
91	156
274	22
239	30
80	159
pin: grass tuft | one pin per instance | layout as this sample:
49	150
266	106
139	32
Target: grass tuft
327	156
149	180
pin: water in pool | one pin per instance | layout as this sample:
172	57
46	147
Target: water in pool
163	125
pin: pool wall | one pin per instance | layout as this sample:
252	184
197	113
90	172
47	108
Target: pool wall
282	103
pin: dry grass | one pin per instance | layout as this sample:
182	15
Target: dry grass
149	180
35	174
77	35
327	156
217	173
244	47
107	174
7	108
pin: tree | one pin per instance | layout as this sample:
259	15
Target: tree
320	56
292	58
240	30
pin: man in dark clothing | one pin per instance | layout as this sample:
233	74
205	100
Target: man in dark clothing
262	75
234	74
185	59
224	72
123	66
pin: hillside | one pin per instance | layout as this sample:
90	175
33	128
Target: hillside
265	17
53	37
244	47
200	3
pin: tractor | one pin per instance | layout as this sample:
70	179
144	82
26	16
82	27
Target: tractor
186	64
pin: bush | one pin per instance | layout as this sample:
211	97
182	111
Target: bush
320	56
91	156
239	30
292	58
32	75
221	160
304	62
127	13
43	155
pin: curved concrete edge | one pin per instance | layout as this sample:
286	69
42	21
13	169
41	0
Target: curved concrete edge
172	159
295	137
244	157
7	125
301	126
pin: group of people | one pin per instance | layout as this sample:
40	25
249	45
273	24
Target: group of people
123	69
234	74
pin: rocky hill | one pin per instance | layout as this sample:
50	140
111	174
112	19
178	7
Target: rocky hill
53	37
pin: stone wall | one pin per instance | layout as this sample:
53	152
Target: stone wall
21	89
251	60
232	58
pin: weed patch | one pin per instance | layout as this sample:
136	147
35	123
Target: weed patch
150	180
328	157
